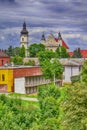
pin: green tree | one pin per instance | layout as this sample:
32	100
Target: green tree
17	60
35	48
77	53
22	51
61	52
47	54
52	69
10	51
84	72
75	108
49	107
17	51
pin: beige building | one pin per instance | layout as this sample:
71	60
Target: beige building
51	43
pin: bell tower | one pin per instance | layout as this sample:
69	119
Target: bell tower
24	39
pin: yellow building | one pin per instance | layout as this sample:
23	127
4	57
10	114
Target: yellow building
6	79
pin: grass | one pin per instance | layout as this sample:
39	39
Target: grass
23	95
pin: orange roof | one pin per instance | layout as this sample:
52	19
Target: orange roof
83	53
63	43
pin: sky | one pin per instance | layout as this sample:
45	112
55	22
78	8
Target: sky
69	17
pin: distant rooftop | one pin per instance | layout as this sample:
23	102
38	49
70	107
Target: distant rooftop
3	54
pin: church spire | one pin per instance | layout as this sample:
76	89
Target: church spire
59	36
24	30
43	37
24	25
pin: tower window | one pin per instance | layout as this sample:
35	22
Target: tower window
22	39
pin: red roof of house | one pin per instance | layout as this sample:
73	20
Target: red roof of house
70	53
2	54
63	43
83	53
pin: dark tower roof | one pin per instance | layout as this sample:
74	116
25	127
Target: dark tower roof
24	30
43	37
59	36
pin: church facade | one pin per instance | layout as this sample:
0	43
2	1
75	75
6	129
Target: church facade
51	43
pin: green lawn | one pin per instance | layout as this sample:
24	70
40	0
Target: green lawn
23	95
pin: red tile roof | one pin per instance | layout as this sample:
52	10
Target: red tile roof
70	53
2	54
63	43
83	53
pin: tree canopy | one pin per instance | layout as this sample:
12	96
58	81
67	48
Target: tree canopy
52	69
77	53
61	52
46	54
22	51
35	48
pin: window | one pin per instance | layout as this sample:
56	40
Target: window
22	39
3	77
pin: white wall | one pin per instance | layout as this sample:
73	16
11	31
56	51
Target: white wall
19	85
70	71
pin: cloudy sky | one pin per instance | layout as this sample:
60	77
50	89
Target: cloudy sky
49	16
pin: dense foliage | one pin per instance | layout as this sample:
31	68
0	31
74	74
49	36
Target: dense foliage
30	62
61	52
17	60
22	51
75	108
77	53
35	48
46	55
75	78
52	69
84	72
16	116
49	107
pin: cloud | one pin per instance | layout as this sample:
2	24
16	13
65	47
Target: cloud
67	16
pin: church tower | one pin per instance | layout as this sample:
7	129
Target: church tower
24	38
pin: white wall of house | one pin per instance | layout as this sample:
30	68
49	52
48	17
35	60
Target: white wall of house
70	71
19	85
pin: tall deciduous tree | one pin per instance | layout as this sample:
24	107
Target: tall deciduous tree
35	48
61	52
22	51
45	55
10	51
52	69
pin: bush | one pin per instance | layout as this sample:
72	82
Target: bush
75	78
30	62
